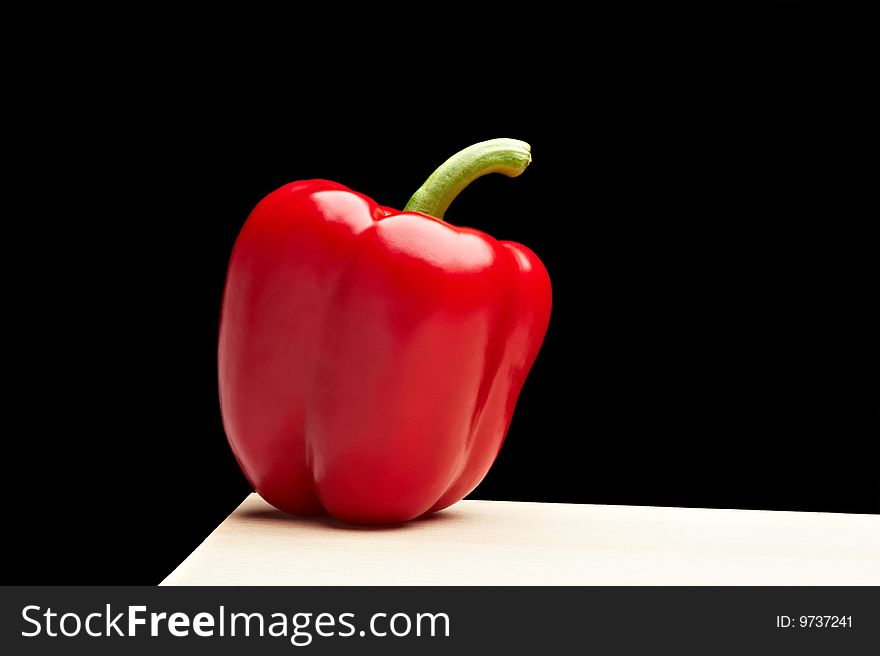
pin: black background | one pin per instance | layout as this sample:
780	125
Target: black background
699	195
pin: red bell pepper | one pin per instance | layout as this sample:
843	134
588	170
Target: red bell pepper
370	359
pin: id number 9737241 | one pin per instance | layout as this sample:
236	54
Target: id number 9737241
814	621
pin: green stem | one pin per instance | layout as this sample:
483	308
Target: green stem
507	156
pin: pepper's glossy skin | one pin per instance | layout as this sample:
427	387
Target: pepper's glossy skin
370	360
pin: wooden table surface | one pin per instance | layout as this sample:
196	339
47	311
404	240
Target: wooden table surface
509	543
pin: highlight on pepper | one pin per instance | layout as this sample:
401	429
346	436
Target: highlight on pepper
370	359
